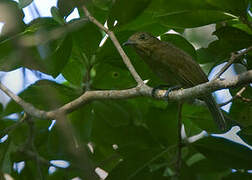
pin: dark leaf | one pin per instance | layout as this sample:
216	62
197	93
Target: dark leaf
246	134
227	37
162	123
227	153
190	19
65	7
242	113
238	175
88	38
238	8
126	10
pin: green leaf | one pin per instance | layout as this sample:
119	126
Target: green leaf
190	19
227	153
246	134
205	56
5	162
162	123
238	175
161	7
116	113
56	15
57	61
206	166
122	135
126	10
66	7
241	113
82	121
181	43
201	118
49	57
75	69
88	38
19	135
235	7
135	162
24	3
44	94
227	37
111	77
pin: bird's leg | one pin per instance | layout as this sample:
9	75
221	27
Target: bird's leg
170	88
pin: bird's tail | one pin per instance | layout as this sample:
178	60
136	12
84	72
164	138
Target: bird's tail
216	112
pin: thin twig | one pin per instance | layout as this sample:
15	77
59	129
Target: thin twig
237	95
178	162
14	126
113	38
233	58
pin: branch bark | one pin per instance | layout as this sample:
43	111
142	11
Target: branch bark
232	59
140	90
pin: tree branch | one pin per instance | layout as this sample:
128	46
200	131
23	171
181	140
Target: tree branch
232	59
237	95
113	38
140	90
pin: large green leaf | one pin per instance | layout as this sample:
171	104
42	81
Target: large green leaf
235	7
126	10
146	22
88	38
65	7
123	135
82	120
227	37
111	77
241	113
162	7
49	56
238	175
135	164
75	69
190	19
227	153
162	123
246	134
201	118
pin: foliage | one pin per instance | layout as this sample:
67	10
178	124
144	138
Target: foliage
132	138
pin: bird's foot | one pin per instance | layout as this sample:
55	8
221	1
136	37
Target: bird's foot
170	88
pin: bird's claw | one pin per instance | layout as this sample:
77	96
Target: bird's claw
170	88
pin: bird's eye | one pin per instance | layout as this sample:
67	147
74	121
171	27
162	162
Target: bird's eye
142	37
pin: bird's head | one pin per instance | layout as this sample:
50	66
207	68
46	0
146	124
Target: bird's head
141	40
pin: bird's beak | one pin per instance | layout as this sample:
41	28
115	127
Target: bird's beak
129	42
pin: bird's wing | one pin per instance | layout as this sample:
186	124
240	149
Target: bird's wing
188	71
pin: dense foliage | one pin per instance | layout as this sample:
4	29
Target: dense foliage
132	138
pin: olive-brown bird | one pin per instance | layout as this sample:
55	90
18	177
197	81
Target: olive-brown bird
174	66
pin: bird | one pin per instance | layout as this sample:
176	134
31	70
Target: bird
174	66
